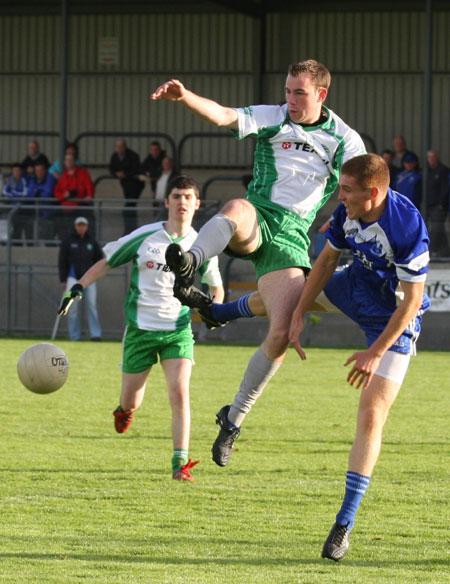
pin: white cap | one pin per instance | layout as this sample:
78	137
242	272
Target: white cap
81	220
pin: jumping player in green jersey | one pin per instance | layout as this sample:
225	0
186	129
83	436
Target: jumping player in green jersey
300	148
156	323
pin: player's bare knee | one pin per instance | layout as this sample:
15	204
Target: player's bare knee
372	419
235	210
179	396
277	341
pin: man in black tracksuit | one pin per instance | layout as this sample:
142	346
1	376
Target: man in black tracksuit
78	252
126	166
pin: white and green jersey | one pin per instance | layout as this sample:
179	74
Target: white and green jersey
295	166
150	304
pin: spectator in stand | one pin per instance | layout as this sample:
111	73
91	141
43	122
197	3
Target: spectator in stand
74	189
126	166
400	152
56	169
41	186
168	172
388	156
437	190
409	181
78	252
16	189
34	157
152	165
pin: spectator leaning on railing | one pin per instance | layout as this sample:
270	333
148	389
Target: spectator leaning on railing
41	186
437	189
34	157
126	166
74	189
56	169
16	189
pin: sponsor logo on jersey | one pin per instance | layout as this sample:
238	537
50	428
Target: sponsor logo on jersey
304	147
157	266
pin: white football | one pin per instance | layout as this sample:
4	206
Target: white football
43	368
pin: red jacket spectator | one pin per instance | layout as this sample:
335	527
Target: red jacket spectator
75	186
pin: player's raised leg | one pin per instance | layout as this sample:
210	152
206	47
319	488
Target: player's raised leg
235	226
374	405
280	292
178	374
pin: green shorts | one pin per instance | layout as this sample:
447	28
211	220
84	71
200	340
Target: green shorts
283	242
141	348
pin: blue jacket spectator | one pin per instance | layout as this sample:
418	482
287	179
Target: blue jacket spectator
408	182
16	185
41	185
22	222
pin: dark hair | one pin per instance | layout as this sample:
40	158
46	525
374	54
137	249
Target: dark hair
388	151
369	170
15	164
74	146
182	182
155	143
319	73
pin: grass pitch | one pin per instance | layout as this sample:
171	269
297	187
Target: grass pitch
81	503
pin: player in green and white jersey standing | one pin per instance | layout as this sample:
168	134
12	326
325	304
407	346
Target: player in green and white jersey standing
300	148
156	322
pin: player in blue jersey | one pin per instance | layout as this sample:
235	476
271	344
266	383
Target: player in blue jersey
382	291
300	148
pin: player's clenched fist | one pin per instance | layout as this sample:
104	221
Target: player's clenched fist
172	90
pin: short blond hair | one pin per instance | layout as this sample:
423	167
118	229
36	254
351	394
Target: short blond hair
369	170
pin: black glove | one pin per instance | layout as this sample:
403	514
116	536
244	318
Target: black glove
73	193
75	293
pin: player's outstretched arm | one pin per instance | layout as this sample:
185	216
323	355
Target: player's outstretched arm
207	109
318	278
365	363
97	271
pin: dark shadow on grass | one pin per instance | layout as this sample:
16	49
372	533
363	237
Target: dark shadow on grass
260	561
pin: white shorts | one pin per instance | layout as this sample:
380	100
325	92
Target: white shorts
393	365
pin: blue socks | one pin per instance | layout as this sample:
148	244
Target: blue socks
232	310
355	487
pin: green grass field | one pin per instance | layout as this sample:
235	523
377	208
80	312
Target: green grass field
81	503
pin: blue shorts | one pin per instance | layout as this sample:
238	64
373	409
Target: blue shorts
369	310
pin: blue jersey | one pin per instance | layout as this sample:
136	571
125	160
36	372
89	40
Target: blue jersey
409	183
384	252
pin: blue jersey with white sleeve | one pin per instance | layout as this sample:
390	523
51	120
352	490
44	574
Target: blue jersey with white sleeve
386	251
